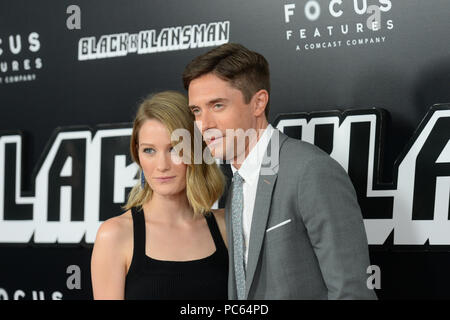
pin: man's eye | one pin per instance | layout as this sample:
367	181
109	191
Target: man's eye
195	110
218	106
149	150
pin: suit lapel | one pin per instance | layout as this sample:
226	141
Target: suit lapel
266	183
259	223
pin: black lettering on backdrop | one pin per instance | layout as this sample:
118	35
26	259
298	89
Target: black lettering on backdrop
67	170
85	175
12	209
111	147
427	170
358	168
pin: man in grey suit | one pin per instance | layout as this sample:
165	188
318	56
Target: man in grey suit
294	227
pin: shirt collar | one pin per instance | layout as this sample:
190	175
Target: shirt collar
251	166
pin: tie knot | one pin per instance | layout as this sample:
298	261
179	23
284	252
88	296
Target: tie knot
237	178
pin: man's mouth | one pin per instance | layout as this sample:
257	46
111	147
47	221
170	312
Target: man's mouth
213	140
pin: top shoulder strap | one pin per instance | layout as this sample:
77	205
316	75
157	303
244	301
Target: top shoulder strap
215	232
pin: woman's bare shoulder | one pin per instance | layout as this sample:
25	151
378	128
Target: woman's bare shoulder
110	257
116	229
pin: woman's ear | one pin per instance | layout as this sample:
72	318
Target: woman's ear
260	100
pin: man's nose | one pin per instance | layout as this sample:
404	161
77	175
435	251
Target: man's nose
206	121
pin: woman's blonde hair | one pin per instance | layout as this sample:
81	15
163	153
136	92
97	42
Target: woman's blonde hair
204	182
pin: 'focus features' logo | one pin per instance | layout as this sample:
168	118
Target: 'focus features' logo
18	57
337	23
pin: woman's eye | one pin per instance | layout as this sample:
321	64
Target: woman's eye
149	150
195	110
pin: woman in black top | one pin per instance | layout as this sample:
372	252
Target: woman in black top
169	244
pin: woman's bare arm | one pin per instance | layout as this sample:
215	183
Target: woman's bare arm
109	260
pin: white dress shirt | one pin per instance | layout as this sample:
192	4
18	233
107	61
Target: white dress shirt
249	171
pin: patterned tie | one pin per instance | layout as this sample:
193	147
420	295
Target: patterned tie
237	205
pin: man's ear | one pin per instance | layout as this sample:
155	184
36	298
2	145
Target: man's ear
260	99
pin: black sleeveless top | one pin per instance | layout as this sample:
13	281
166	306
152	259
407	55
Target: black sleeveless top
149	278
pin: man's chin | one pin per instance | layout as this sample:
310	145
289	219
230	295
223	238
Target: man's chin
220	155
217	155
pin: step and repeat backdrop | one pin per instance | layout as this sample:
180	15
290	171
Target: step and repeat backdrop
368	81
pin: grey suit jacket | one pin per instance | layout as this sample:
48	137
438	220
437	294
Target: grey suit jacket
307	238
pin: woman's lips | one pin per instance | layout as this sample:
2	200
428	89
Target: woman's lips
164	179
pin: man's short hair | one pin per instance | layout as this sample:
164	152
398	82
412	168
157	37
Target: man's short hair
245	70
